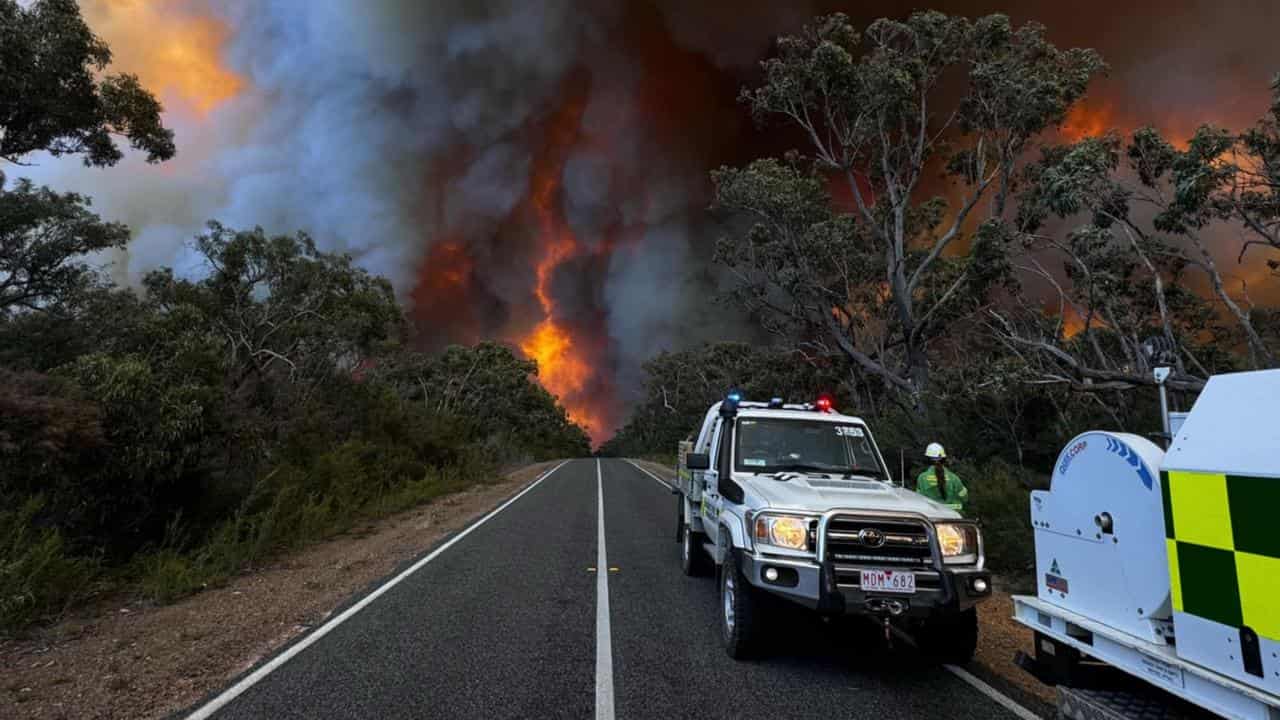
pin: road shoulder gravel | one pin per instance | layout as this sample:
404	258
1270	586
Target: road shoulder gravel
132	660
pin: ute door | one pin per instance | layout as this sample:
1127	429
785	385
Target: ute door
710	507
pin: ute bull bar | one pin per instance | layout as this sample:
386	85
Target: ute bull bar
828	581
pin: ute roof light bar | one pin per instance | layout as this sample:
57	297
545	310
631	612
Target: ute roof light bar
733	402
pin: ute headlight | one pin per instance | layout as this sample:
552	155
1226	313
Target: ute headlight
959	542
784	531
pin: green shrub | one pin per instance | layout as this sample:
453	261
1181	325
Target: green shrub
166	575
38	579
169	452
1000	497
666	459
293	506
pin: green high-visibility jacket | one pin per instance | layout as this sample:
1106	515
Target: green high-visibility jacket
957	494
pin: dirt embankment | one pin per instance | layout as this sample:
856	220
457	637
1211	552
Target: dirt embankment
124	659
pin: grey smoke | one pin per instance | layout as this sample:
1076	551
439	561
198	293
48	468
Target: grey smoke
347	104
489	189
382	127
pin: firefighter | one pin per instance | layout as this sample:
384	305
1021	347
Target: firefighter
937	482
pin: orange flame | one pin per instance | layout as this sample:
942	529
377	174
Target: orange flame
1094	118
1072	325
452	264
1072	322
562	367
1087	120
445	277
174	52
560	370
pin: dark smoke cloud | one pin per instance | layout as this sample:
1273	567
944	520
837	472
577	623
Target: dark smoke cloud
406	132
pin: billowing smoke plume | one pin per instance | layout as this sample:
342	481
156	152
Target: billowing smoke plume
534	172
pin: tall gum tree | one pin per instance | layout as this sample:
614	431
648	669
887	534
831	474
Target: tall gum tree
1138	221
883	112
56	97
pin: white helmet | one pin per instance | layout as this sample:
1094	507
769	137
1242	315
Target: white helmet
935	451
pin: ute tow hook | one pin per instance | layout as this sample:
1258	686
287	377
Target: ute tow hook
887	610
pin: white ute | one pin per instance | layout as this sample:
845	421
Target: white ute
796	502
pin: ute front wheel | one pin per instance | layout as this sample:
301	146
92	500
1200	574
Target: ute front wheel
740	611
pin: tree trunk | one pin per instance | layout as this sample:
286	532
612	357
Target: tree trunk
1257	348
918	372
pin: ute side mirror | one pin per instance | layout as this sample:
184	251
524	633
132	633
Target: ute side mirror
697	461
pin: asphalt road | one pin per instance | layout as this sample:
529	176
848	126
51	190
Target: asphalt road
503	623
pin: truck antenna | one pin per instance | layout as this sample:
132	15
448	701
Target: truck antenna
1161	374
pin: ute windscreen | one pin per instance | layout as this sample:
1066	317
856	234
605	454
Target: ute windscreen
779	445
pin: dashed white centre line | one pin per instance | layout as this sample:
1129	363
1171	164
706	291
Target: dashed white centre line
604	639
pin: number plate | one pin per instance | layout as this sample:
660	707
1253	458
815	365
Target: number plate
890	581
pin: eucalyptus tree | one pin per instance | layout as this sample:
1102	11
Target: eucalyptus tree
853	247
680	386
56	96
1140	225
280	309
486	391
45	237
1249	187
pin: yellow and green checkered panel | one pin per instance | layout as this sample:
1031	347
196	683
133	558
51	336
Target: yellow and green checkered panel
1223	538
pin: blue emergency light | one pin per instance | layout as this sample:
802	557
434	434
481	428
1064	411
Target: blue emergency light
729	407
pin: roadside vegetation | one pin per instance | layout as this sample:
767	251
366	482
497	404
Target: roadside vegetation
161	438
943	261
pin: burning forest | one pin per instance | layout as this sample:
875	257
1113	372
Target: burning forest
286	286
536	174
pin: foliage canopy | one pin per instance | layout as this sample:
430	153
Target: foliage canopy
874	279
55	97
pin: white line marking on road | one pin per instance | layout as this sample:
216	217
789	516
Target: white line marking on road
1004	700
604	639
236	690
635	465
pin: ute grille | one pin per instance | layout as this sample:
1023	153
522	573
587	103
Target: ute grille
906	542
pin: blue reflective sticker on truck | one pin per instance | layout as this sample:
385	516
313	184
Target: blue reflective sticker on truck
1116	447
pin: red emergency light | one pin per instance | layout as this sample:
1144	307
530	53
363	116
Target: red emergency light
823	404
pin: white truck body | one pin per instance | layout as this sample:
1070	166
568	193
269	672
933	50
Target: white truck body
1166	565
